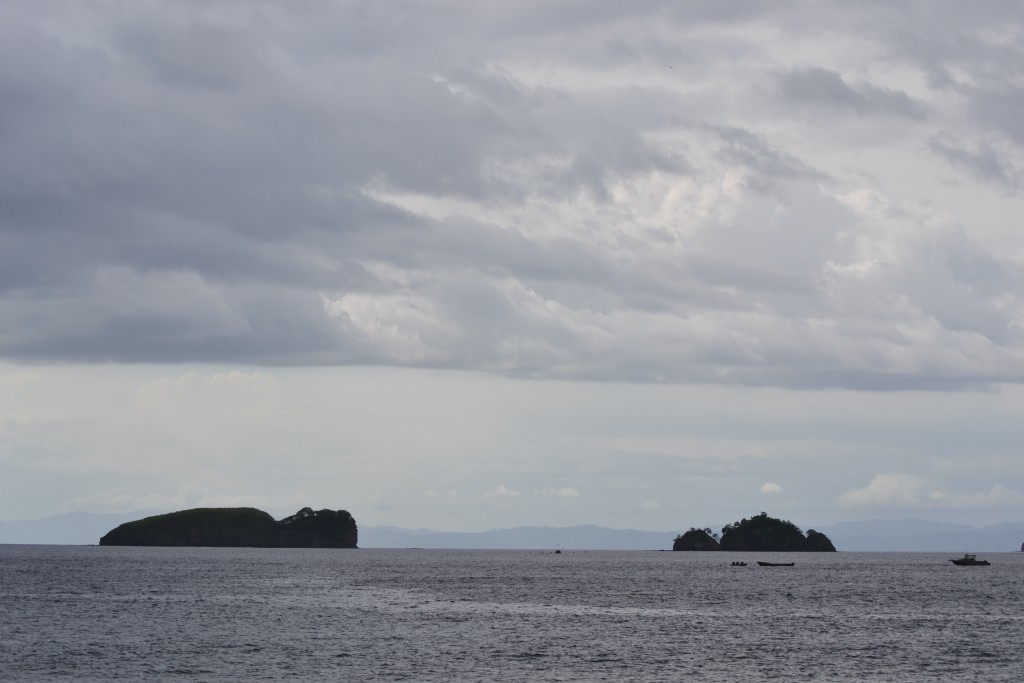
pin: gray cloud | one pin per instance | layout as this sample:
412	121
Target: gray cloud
583	191
818	86
982	161
768	163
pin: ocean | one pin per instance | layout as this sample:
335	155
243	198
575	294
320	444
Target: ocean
89	613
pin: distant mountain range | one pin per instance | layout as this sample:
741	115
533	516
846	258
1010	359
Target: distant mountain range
913	535
909	535
586	537
72	528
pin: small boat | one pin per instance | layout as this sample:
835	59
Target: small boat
969	561
738	564
775	564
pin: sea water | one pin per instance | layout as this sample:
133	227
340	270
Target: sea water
238	614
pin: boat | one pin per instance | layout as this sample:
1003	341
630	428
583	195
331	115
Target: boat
738	564
969	561
775	564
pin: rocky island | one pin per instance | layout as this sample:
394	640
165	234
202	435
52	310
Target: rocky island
239	528
759	533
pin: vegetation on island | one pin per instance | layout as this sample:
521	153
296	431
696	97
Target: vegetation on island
697	539
759	533
239	527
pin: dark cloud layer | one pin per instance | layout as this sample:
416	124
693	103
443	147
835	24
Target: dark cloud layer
666	192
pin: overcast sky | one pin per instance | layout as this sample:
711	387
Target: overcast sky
466	265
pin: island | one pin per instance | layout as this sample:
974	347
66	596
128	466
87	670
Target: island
759	533
239	528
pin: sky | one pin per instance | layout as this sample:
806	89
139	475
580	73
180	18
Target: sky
464	265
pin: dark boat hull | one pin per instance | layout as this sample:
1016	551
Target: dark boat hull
970	563
776	564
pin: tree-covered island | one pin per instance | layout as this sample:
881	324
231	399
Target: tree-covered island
239	528
759	533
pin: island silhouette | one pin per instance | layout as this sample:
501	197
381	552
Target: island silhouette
759	533
239	527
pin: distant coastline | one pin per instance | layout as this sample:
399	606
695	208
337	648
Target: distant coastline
876	535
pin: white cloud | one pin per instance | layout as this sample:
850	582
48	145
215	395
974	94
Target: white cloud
769	487
450	493
999	496
898	490
501	491
563	492
915	492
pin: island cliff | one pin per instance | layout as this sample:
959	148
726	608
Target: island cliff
759	533
239	527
